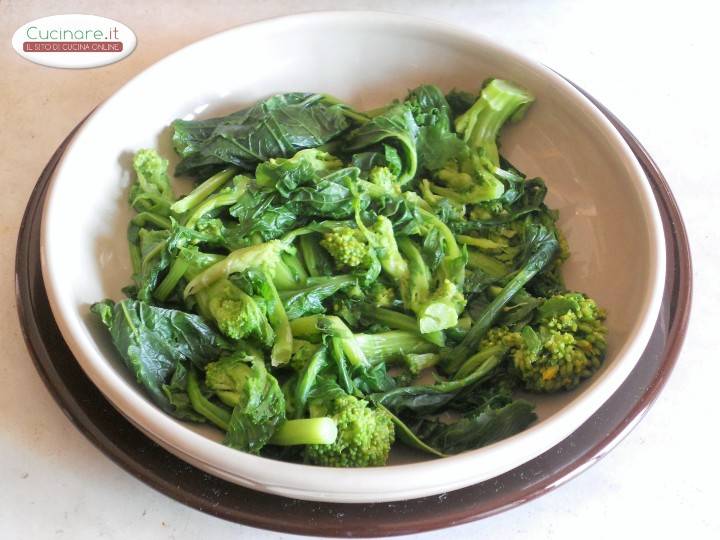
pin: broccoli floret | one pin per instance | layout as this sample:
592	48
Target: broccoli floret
468	180
242	382
237	314
151	191
472	176
565	345
541	249
228	377
380	295
261	260
384	178
346	245
364	435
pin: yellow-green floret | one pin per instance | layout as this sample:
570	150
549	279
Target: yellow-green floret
381	176
380	295
562	347
364	438
346	245
568	346
236	314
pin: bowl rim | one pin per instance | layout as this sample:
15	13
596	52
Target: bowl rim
375	484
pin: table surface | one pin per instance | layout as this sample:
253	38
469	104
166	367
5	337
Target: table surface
653	64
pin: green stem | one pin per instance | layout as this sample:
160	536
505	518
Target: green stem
135	257
386	346
544	252
171	279
315	258
342	367
321	430
203	191
216	201
400	321
282	348
148	217
307	379
485	359
217	415
331	325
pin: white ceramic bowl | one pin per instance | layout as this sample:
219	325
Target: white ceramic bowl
606	206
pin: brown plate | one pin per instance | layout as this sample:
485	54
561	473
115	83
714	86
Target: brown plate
105	427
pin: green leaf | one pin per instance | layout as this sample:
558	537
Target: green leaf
485	427
275	127
259	412
395	127
154	341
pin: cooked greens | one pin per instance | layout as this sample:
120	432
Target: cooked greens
339	281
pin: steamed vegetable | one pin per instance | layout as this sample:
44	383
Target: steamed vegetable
339	282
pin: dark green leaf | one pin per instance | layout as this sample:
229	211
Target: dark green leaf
260	410
153	341
276	127
482	428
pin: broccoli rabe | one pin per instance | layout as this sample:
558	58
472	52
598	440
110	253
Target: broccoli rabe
499	102
302	352
258	407
441	309
381	238
337	275
416	363
203	191
468	180
346	245
287	173
151	192
380	295
566	345
384	178
236	313
364	435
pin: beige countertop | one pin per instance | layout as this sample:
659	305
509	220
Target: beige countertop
654	64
